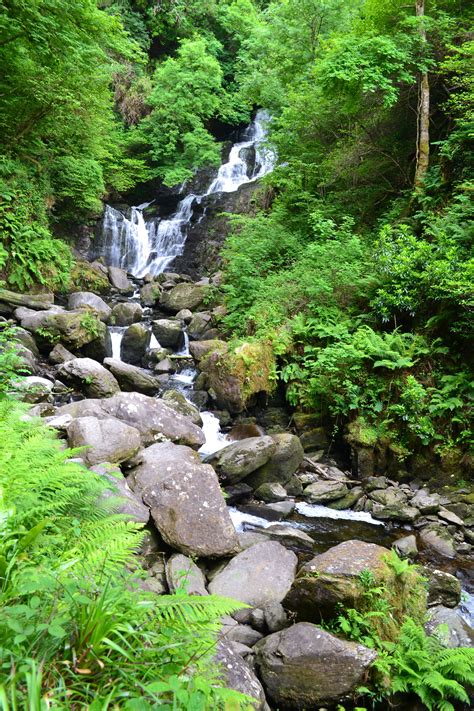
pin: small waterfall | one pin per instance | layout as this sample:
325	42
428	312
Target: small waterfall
143	246
116	335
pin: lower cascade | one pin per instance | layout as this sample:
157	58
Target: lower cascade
140	245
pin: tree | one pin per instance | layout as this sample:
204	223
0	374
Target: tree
423	116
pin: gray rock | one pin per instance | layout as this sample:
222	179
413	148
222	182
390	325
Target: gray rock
178	402
131	378
183	296
185	315
443	588
186	502
59	354
33	389
200	349
425	502
183	573
150	294
168	333
238	460
283	463
436	539
118	278
284	508
347	501
126	313
397	512
455	631
270	492
129	504
87	300
245	635
134	344
199	324
391	496
165	365
289	536
88	375
303	667
238	675
406	547
275	616
74	329
263	573
58	422
107	440
322	491
25	338
450	517
29	362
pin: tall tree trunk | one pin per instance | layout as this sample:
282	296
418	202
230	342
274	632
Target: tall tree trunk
423	115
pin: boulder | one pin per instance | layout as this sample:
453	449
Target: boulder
332	578
443	588
185	315
283	463
134	344
238	460
118	278
74	329
304	667
391	496
178	403
24	337
89	376
168	333
183	296
59	354
186	502
182	572
261	574
397	512
199	324
314	439
406	546
129	505
437	540
323	491
33	389
126	313
150	294
88	300
238	675
131	378
455	631
289	536
347	501
107	440
275	616
425	502
201	349
244	634
38	302
270	492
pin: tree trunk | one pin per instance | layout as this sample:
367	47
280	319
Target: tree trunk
423	115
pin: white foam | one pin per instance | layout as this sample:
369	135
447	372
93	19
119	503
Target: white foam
318	511
239	519
215	439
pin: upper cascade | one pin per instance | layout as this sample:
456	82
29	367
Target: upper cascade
140	246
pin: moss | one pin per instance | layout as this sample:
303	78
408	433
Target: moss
85	277
362	434
253	363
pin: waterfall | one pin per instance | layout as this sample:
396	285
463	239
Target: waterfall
143	246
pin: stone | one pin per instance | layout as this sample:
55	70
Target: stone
182	573
263	573
314	439
126	313
289	536
406	546
150	294
244	634
294	487
25	338
238	493
29	362
107	440
33	389
238	675
443	588
178	402
89	376
270	492
88	300
392	496
436	539
119	280
425	502
168	333
347	501
163	366
323	491
456	632
304	667
185	315
129	505
201	349
186	502
257	619
31	301
332	578
275	616
59	354
283	508
134	344
74	329
131	378
283	463
450	517
238	460
199	324
183	296
59	422
396	512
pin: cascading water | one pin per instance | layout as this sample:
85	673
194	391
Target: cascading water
140	246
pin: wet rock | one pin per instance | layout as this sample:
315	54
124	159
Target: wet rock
425	502
238	675
436	539
238	460
131	378
322	491
118	278
150	294
126	313
282	464
289	536
185	315
270	492
245	635
275	616
455	631
406	547
178	402
89	376
168	333
443	588
33	389
238	493
165	365
183	573
314	439
303	667
283	508
134	344
200	349
199	324
397	512
130	505
87	300
183	296
186	502
74	329
107	440
347	501
332	578
59	354
263	573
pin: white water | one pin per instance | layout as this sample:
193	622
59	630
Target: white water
116	335
142	247
215	439
240	519
185	349
318	511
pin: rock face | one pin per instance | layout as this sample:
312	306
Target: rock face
168	333
238	460
332	578
183	296
303	667
134	344
107	440
131	378
89	376
261	574
88	300
283	463
126	313
186	502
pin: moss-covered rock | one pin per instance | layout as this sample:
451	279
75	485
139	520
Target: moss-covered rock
87	277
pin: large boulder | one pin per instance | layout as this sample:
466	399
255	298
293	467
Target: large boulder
201	349
131	378
183	296
119	280
89	376
126	313
437	540
150	294
186	502
333	578
74	329
238	460
128	503
304	667
261	574
107	440
321	492
282	464
168	333
134	344
238	675
178	402
200	323
34	389
88	300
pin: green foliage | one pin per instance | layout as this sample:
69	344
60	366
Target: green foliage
91	324
11	364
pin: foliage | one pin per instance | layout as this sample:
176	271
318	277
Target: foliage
11	364
75	629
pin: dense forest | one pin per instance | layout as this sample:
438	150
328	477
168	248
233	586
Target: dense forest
348	282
